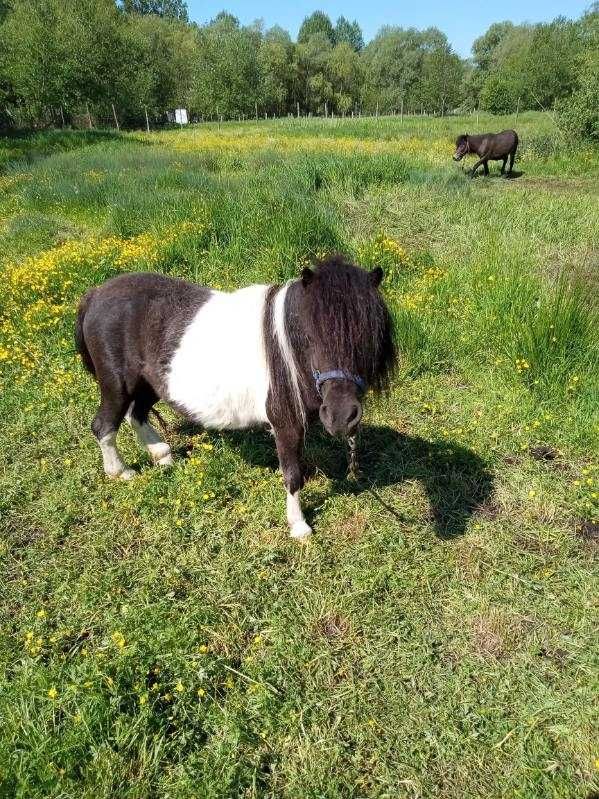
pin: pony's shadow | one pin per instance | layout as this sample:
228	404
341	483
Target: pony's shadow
455	479
513	175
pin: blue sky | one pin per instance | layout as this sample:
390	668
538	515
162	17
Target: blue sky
461	21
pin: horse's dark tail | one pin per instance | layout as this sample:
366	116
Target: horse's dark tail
80	344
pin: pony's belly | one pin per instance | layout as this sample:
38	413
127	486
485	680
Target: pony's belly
218	375
224	410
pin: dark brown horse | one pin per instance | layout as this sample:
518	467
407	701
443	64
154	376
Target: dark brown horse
263	355
489	147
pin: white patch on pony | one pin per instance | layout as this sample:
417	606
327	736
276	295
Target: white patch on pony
150	439
219	372
113	465
299	527
286	349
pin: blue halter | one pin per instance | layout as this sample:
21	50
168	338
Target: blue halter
336	374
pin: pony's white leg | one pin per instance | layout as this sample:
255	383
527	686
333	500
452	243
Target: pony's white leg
298	525
289	442
113	465
150	439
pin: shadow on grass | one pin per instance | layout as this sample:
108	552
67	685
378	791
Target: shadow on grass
493	174
456	480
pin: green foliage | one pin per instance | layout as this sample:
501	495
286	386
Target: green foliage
316	23
176	9
275	59
228	68
579	113
347	32
534	65
59	59
416	68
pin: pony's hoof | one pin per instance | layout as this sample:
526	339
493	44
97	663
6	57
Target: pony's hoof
165	462
160	453
300	531
126	474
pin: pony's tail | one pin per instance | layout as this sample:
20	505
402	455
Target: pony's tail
80	344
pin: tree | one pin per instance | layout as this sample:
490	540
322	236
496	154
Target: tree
316	23
168	52
345	73
442	73
176	9
392	66
579	113
312	71
485	47
227	74
67	53
276	70
349	33
507	79
551	62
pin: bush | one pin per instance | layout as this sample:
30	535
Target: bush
579	114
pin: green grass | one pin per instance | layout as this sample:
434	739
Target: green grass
437	636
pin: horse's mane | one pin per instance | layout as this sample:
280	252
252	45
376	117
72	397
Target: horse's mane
346	313
340	309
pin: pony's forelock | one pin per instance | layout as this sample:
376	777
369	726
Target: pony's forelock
348	317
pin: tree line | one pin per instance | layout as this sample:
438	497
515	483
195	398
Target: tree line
83	59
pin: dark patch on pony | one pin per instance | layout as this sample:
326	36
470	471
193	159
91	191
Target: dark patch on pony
126	332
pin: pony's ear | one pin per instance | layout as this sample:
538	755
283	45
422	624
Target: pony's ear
307	275
376	275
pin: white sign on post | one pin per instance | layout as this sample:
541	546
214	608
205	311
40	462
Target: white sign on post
181	116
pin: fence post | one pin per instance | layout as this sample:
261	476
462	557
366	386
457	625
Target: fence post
377	108
517	111
89	119
116	121
401	111
147	120
298	113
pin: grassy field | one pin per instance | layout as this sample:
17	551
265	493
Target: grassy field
437	636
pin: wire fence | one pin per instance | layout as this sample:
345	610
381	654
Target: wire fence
114	118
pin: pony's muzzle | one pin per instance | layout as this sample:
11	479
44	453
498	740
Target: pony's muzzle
341	418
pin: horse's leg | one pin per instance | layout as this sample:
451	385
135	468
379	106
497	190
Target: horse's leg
289	443
476	166
512	156
486	167
148	437
105	426
503	165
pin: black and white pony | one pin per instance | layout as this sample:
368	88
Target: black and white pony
262	355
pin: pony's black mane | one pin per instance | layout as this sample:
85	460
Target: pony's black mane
347	315
338	312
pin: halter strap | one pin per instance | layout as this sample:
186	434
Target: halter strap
336	374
